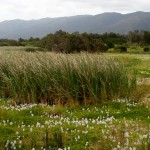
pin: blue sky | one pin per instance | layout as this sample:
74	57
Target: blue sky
36	9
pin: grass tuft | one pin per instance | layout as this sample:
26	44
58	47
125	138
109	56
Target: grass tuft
63	79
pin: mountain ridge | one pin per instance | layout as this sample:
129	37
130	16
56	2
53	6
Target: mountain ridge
100	23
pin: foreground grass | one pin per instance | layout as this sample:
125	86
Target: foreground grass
63	79
119	124
114	125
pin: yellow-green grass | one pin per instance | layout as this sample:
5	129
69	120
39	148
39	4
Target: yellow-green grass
118	124
63	79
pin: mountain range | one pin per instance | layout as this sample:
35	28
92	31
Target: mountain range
101	23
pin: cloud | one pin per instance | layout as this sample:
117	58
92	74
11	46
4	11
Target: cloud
35	9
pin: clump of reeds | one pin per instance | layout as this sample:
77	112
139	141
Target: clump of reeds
62	79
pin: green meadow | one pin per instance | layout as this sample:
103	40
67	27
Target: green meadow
52	101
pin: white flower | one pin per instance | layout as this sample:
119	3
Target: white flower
38	124
46	122
20	142
126	134
86	143
11	123
17	132
30	129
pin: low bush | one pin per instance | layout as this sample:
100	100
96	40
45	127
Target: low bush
30	49
146	49
110	45
119	48
34	49
123	49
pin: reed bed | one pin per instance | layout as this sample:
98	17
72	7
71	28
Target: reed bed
63	79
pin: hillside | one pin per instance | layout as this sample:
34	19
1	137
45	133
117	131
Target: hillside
105	22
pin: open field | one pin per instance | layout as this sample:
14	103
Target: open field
97	101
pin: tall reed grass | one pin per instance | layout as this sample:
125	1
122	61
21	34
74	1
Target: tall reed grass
63	79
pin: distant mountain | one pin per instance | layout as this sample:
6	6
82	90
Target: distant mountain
105	22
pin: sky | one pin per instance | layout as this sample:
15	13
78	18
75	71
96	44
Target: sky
37	9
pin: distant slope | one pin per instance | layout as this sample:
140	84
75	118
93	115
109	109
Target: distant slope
106	22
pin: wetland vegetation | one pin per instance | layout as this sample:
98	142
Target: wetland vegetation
76	101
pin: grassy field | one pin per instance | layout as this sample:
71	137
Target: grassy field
97	103
113	125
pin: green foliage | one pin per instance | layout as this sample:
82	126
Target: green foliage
110	45
69	43
112	39
120	48
6	42
63	42
20	42
108	125
34	49
62	79
30	49
141	37
123	49
34	42
146	49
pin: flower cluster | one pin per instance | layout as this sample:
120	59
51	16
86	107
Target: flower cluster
80	126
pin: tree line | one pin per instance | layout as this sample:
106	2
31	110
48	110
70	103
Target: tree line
65	42
139	36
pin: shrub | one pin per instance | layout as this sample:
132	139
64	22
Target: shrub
30	49
110	45
123	49
146	49
3	44
119	48
40	49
